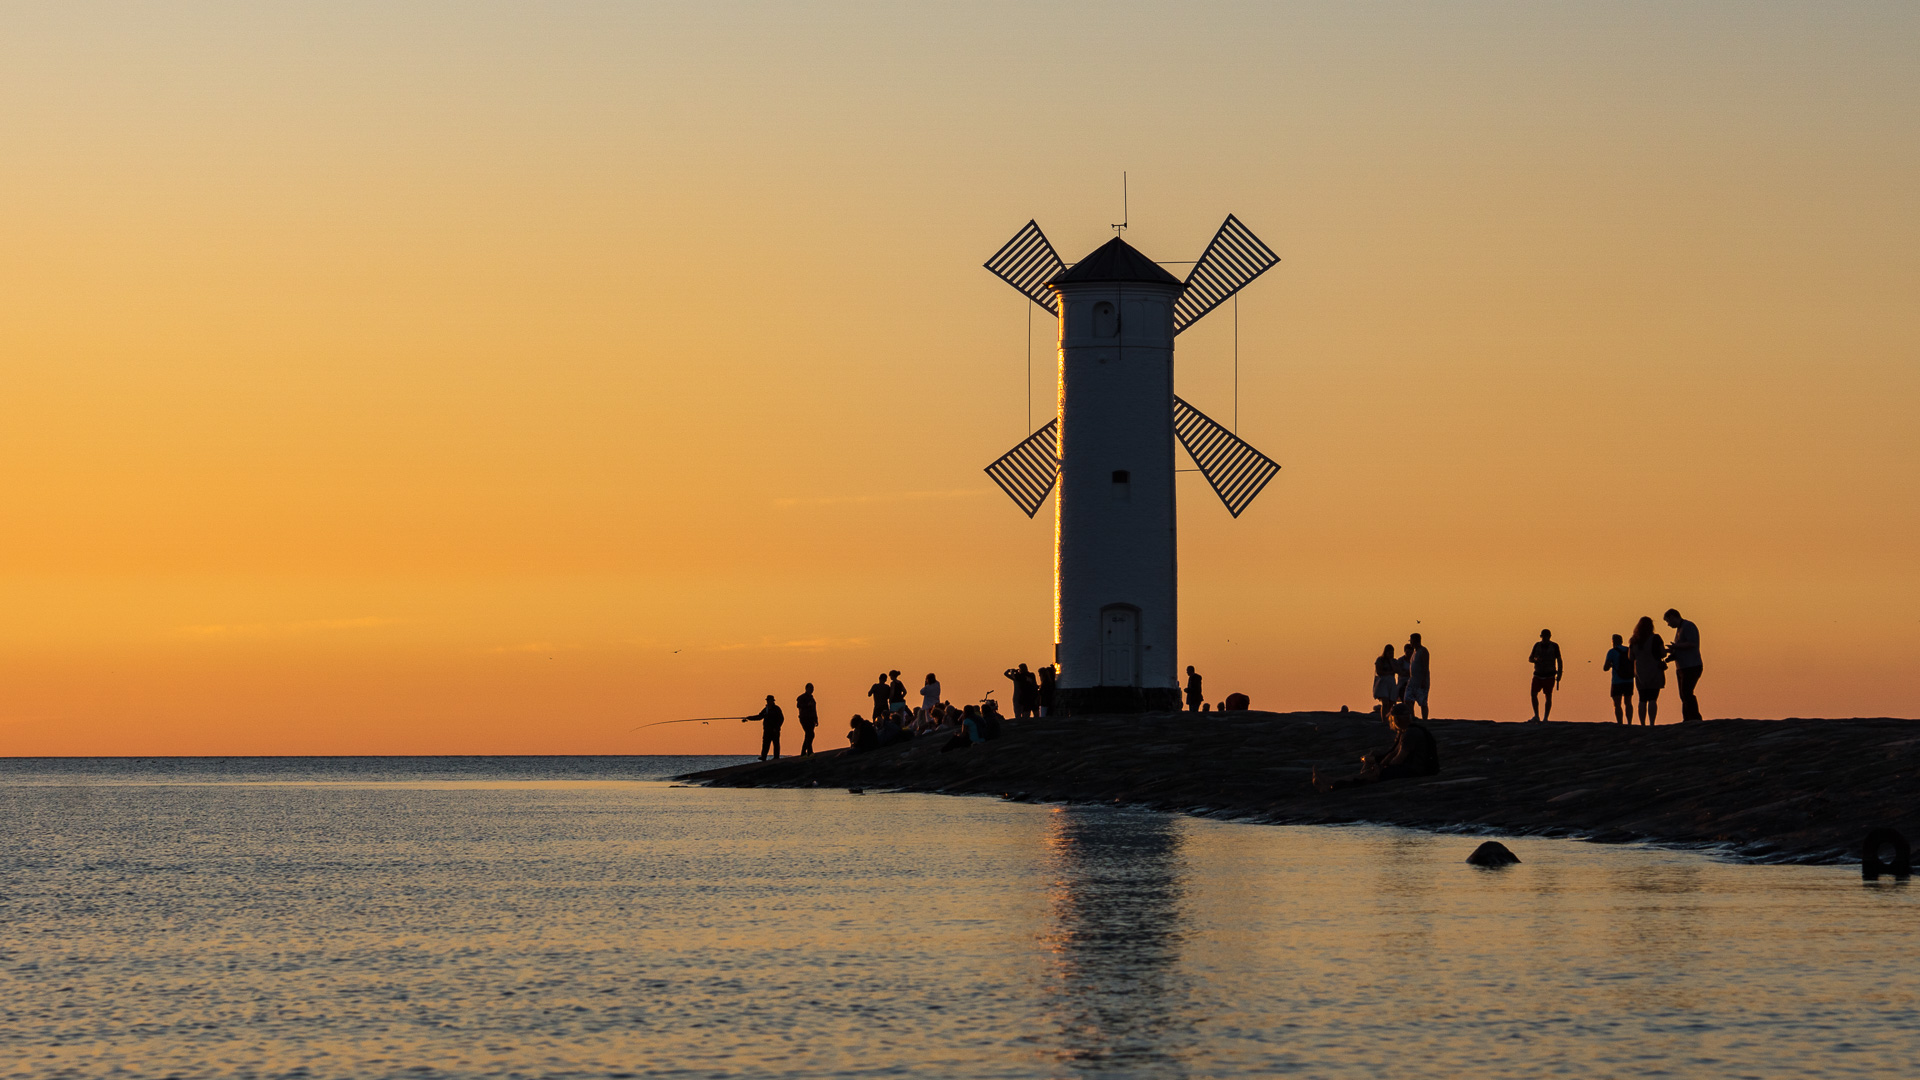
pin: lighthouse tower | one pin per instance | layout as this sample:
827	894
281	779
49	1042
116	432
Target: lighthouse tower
1116	561
1111	450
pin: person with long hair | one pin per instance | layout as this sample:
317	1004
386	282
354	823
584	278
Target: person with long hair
1649	667
929	696
1386	681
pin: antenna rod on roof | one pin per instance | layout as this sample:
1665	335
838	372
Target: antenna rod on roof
1121	225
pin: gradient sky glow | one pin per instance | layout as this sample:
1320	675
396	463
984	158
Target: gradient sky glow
487	378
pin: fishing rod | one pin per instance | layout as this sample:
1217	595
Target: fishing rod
691	720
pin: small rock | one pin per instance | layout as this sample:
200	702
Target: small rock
1492	853
856	791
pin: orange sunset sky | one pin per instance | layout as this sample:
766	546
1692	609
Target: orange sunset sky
492	378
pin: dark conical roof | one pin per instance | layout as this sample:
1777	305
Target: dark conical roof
1115	260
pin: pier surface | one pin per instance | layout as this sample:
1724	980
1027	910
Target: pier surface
1795	790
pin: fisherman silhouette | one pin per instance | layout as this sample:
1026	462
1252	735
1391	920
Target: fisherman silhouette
809	717
770	720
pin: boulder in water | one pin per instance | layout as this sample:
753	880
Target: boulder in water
1492	853
1885	851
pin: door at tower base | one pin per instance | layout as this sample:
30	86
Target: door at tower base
1120	673
1119	640
1119	690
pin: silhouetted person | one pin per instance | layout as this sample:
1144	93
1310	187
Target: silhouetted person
1194	694
880	692
1026	691
969	732
990	720
1387	677
1685	654
1547	669
1049	679
770	720
1413	754
862	737
896	691
929	696
1419	675
892	729
1620	662
808	714
1649	667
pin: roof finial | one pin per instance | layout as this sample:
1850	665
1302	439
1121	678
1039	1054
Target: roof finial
1120	226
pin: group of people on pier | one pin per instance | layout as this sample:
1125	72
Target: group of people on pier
1638	664
892	720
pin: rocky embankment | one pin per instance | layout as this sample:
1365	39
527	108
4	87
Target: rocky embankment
1776	790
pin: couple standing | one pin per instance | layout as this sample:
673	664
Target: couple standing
1404	678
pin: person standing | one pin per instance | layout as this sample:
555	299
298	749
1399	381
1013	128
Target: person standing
1386	681
1649	668
1620	662
1195	695
1026	691
1547	669
1049	678
1685	655
929	697
805	711
896	692
770	720
1419	675
880	692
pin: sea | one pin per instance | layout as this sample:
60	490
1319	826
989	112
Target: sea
591	917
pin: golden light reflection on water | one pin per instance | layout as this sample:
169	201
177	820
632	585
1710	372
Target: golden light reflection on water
1115	926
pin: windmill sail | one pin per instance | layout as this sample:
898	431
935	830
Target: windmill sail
1027	262
1234	258
1236	471
1027	472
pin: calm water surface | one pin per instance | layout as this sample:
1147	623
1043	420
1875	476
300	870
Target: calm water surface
584	918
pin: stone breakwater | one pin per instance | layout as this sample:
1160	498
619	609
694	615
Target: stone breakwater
1774	790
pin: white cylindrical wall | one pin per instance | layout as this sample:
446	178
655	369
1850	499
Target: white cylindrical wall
1115	556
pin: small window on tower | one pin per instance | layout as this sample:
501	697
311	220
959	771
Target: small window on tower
1106	320
1120	476
1122	489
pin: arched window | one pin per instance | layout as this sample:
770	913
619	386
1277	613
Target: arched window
1106	320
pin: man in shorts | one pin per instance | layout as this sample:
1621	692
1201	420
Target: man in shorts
1620	663
1547	670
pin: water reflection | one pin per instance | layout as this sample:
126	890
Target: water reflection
1116	923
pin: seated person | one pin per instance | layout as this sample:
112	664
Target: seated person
990	719
1413	753
862	737
969	732
891	729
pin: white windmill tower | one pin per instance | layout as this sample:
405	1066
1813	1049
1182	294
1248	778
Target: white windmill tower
1110	448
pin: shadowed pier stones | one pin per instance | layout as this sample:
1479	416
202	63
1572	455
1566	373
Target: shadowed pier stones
1770	790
